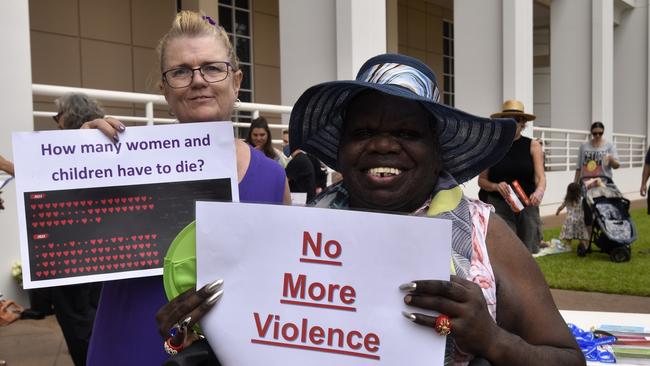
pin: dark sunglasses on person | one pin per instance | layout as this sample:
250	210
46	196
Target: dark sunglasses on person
597	134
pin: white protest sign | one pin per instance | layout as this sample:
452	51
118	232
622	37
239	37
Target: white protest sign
312	286
90	210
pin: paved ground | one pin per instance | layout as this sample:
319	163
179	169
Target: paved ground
596	301
34	343
40	342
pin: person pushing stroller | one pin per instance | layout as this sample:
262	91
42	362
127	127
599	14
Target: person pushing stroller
596	157
606	211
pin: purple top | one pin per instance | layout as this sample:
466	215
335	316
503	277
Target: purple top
125	330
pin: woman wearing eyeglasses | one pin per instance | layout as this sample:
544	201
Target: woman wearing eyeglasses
597	157
200	79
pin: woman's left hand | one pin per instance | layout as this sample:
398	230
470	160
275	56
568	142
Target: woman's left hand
186	310
536	198
462	301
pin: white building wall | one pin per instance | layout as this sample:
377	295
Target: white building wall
16	107
542	77
307	46
360	34
542	96
571	64
517	33
602	64
631	72
325	40
478	56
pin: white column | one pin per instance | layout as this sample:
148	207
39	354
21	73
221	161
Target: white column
478	61
360	34
518	54
16	107
571	64
518	51
307	46
602	67
647	136
478	56
630	94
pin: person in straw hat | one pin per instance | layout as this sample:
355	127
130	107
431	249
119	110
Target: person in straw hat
522	165
401	151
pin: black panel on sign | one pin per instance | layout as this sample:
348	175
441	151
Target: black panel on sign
91	231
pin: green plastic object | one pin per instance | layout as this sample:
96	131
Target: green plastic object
179	266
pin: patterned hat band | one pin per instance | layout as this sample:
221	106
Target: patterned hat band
405	76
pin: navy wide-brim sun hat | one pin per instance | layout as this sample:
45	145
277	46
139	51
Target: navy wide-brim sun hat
469	144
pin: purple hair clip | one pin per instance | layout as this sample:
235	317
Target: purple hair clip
209	20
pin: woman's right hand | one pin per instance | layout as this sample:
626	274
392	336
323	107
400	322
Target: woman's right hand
192	305
108	125
6	166
503	189
462	301
643	190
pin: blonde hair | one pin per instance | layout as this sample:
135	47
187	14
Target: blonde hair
192	24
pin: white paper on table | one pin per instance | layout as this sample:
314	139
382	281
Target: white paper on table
298	198
253	247
40	157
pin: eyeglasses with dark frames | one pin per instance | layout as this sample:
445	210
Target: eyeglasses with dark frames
597	134
181	77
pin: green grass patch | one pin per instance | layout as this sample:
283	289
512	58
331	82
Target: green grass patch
596	272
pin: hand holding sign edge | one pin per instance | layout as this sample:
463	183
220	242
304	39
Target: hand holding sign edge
191	304
462	301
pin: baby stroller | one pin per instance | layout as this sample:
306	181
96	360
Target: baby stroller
612	228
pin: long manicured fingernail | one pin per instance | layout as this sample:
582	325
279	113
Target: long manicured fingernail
116	138
410	286
407	299
408	316
121	127
212	287
212	299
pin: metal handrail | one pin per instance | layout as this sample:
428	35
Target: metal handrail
149	100
557	143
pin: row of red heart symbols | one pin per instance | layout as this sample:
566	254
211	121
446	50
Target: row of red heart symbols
64	222
84	203
103	210
142	264
101	258
115	239
75	252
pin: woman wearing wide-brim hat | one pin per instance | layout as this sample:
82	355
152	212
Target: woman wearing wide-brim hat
401	151
523	163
